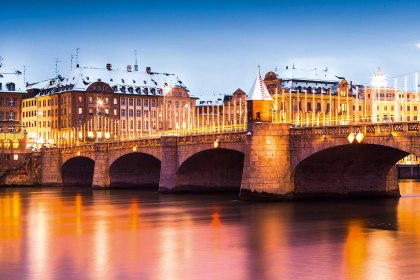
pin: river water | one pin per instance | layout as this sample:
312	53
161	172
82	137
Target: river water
125	234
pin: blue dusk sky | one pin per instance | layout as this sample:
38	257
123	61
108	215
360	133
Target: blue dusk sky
215	46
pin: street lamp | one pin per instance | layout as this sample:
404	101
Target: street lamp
99	103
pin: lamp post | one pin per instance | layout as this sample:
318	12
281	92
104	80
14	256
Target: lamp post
99	102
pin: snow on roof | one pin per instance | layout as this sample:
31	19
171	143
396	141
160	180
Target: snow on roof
82	77
10	76
259	90
307	74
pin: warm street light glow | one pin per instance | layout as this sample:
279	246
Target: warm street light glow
351	137
166	89
78	153
134	148
360	137
216	143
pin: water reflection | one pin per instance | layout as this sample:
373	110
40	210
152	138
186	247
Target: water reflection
79	234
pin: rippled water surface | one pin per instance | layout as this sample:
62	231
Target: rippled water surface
125	234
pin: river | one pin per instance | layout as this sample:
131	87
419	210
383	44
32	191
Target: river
55	233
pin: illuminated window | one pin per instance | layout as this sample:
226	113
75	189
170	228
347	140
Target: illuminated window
80	110
15	157
107	111
115	101
115	112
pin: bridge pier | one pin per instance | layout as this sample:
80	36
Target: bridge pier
267	174
168	172
51	167
101	177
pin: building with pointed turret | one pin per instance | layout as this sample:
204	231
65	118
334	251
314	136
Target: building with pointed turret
259	101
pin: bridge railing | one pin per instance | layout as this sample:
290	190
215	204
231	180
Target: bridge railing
366	129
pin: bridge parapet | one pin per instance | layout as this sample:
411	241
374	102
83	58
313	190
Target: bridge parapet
230	137
380	129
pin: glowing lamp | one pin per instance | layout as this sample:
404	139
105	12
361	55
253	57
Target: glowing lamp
351	137
360	137
134	149
107	135
216	143
78	153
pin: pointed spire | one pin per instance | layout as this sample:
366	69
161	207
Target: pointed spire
259	91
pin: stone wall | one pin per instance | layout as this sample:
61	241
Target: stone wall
25	172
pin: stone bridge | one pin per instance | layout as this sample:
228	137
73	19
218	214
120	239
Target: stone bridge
174	163
268	161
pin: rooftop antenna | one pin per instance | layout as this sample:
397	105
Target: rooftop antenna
56	66
136	66
77	56
1	61
71	61
24	74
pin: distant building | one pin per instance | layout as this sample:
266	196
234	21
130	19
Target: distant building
12	89
12	136
227	112
101	103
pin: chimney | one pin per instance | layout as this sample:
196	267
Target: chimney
109	66
136	67
77	66
129	68
149	70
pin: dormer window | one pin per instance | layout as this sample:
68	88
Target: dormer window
123	89
87	78
134	81
146	91
138	90
122	80
153	91
114	88
10	87
130	90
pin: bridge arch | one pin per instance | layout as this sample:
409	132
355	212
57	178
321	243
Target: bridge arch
135	169
78	171
348	169
212	170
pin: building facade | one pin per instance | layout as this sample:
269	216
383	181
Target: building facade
94	104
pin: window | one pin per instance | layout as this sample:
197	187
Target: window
131	124
107	111
130	102
106	101
12	115
12	102
80	99
131	113
115	101
90	99
308	107
138	102
123	101
123	124
153	103
122	112
80	110
10	87
90	111
146	103
115	112
138	113
1	86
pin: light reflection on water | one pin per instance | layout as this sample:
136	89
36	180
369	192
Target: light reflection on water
84	234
